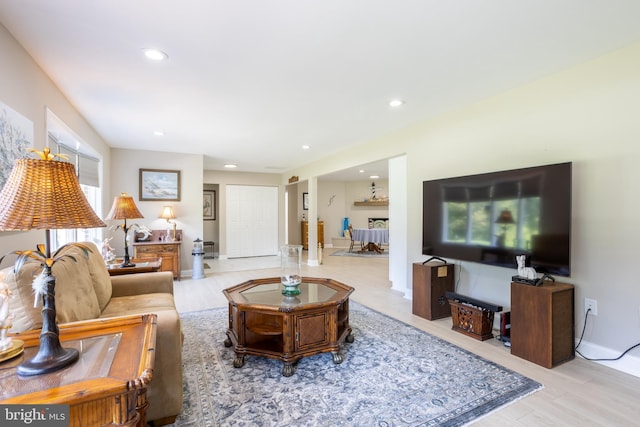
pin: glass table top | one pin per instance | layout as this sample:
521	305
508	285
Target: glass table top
271	294
96	358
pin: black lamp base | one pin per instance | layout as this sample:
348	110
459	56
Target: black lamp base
45	363
127	263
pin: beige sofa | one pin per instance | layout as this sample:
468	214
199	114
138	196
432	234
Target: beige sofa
84	290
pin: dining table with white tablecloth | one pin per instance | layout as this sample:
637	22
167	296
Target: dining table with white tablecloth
372	238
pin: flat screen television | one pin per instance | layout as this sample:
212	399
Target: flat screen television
490	218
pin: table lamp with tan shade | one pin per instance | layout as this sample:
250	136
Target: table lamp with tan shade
167	213
44	194
124	208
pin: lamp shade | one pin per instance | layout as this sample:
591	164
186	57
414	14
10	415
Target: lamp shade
44	194
124	208
505	217
167	213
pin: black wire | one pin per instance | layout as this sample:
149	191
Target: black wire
584	327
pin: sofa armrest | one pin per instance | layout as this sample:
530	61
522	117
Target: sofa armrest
142	283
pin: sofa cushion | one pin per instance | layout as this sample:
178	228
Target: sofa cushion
138	304
75	296
21	302
99	275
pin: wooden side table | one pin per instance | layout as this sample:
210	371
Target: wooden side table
107	386
141	266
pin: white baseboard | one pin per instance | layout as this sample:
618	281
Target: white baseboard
629	363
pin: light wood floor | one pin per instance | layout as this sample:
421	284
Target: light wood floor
577	393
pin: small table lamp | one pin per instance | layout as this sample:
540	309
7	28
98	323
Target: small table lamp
44	194
167	213
124	208
505	218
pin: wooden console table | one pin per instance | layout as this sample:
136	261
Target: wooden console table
263	322
106	387
167	252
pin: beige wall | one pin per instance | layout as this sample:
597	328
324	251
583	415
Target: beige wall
188	210
587	115
27	90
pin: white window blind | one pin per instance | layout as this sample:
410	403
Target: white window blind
87	168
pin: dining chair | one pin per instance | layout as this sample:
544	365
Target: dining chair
353	241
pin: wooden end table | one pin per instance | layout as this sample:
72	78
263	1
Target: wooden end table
107	386
263	322
141	266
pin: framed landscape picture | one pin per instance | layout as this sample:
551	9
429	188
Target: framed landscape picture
209	205
159	184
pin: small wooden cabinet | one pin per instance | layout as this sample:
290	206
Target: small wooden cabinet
431	281
542	323
167	252
305	234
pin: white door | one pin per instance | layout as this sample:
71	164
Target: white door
252	221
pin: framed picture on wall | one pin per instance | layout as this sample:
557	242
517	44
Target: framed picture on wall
159	184
305	201
17	136
209	205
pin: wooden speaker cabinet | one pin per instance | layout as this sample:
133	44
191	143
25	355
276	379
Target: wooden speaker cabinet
542	324
430	283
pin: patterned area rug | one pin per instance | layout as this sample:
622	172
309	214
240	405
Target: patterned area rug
393	375
366	254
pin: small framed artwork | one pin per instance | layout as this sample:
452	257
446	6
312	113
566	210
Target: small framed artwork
305	201
209	205
159	184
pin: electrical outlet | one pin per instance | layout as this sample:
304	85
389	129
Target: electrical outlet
591	304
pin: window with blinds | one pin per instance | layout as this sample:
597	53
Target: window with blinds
62	141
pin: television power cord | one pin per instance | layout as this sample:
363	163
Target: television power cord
584	327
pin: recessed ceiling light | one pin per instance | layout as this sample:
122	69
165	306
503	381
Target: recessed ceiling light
155	54
361	171
158	133
395	103
306	147
374	177
230	166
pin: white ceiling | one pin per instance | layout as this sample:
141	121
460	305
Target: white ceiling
250	81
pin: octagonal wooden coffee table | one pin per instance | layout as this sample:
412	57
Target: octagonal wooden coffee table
263	322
